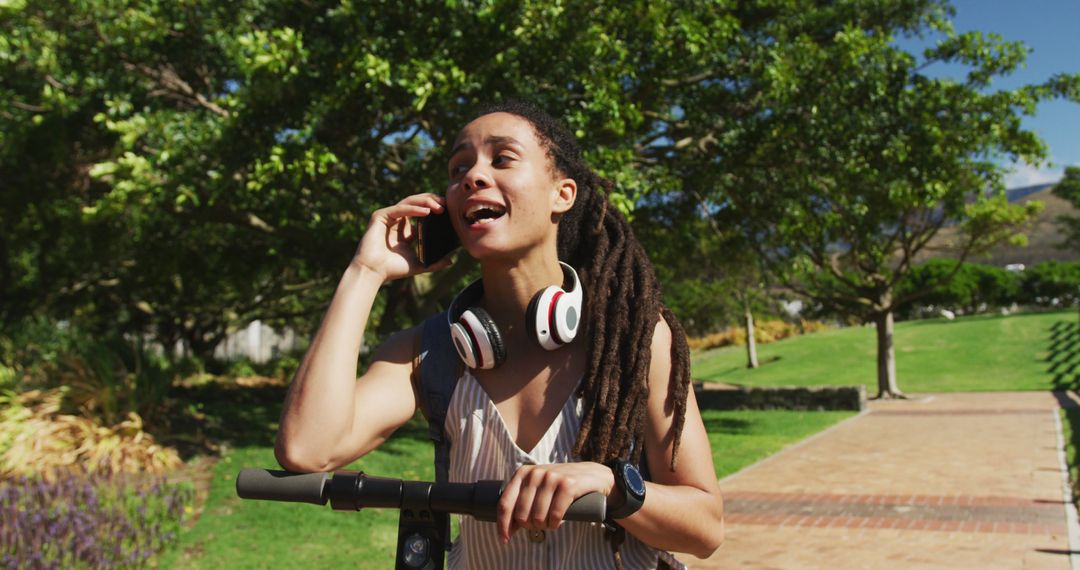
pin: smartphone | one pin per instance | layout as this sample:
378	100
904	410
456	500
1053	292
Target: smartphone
436	238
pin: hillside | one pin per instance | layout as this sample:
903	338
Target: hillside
1043	234
1038	351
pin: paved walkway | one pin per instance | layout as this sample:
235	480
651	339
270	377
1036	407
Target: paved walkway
941	481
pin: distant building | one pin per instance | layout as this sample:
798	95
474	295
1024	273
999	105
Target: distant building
257	342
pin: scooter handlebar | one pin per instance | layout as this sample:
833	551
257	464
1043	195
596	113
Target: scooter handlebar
350	490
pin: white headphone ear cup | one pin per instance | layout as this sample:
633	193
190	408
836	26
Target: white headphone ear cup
565	318
464	345
540	317
473	327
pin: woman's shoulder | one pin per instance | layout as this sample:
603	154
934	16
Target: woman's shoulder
661	339
402	344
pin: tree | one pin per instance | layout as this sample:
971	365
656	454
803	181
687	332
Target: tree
709	274
1068	188
180	168
856	159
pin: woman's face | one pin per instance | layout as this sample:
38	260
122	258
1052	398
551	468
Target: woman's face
504	196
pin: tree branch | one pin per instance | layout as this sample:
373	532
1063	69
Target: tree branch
171	82
28	107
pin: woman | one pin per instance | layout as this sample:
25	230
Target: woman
522	200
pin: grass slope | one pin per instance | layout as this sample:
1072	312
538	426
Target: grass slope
983	353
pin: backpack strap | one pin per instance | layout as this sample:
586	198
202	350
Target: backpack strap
440	368
436	369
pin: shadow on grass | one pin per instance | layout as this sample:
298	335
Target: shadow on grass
202	418
731	426
1063	355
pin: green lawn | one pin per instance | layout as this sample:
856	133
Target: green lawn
740	438
983	353
239	534
262	534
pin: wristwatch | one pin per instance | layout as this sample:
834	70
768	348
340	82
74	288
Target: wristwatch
631	487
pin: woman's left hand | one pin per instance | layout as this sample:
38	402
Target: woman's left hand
537	496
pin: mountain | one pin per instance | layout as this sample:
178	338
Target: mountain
1043	233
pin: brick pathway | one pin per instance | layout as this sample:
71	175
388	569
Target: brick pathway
941	481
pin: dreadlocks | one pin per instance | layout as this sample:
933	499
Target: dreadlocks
623	304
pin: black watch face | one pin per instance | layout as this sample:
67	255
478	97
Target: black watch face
634	483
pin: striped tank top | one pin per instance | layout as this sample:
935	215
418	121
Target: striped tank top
481	448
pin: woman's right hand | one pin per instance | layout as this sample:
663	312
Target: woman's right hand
386	247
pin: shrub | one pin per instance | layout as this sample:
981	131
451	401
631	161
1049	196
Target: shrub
764	332
111	384
282	366
1051	283
241	368
29	347
975	287
36	438
109	377
81	522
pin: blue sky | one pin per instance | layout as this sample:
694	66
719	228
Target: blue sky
1051	29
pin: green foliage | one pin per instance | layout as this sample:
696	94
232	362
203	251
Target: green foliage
111	380
29	347
175	169
1051	283
709	274
949	284
882	161
282	367
103	377
853	156
241	367
178	168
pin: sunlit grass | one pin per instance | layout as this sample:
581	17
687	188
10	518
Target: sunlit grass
984	353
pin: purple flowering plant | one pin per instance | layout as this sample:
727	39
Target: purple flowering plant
79	521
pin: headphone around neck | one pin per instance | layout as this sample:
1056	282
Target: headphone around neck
551	320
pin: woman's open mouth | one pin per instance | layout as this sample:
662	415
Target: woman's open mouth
480	214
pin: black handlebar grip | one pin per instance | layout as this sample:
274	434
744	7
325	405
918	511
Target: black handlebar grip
588	508
273	485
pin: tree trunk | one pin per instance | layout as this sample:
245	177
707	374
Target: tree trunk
751	343
886	358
